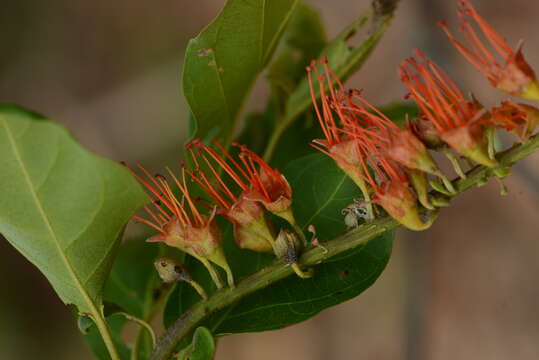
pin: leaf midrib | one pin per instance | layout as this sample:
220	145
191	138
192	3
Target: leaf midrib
92	306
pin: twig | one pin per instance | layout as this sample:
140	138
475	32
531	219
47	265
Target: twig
223	298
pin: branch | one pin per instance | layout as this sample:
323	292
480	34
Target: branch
223	298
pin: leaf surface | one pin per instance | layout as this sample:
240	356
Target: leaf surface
62	207
223	61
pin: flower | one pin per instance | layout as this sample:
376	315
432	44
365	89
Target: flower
179	222
251	228
458	122
267	185
343	149
520	119
391	187
401	145
513	74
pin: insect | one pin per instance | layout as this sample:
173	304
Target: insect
354	212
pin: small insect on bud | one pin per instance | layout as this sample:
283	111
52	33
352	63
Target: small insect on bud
171	271
288	247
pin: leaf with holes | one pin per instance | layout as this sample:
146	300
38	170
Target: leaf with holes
62	207
223	61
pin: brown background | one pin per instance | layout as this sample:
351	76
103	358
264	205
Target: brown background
109	71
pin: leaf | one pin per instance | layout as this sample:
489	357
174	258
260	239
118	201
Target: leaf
116	324
133	279
130	288
134	287
223	61
321	190
202	347
63	207
303	40
399	111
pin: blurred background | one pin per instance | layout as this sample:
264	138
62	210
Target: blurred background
109	71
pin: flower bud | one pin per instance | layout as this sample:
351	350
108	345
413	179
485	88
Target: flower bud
287	246
251	228
401	204
469	141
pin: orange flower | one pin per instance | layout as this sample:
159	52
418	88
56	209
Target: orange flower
458	122
337	145
251	229
401	145
391	186
520	119
267	185
513	74
179	222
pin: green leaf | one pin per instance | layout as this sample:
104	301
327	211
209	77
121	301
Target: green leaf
223	61
321	191
134	287
399	111
63	207
202	347
133	279
303	40
116	323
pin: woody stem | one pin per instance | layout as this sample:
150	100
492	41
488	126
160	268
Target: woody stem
223	298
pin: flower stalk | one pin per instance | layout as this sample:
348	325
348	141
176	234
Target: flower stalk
223	298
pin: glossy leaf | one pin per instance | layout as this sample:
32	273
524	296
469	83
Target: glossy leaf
62	207
223	61
321	191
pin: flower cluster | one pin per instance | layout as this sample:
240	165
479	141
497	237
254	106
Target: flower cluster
392	164
240	189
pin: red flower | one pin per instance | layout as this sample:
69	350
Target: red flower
267	185
401	145
513	74
251	229
391	186
458	122
339	146
520	119
179	222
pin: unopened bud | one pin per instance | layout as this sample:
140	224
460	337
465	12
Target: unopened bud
171	271
287	246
